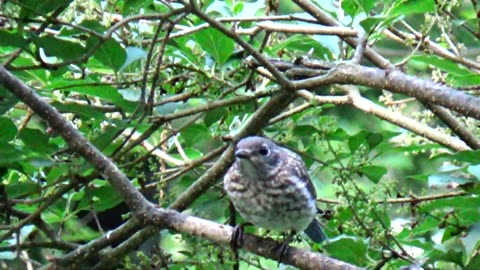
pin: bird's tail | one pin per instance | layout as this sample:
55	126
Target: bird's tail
315	232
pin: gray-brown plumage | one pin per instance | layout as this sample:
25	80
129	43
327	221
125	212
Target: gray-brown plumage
270	187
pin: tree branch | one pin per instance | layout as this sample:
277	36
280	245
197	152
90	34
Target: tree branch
397	82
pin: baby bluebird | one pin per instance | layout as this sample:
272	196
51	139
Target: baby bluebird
270	188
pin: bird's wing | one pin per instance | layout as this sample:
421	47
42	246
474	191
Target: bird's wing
300	170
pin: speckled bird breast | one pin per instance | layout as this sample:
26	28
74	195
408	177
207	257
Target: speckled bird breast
274	204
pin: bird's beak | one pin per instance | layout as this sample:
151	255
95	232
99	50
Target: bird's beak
243	153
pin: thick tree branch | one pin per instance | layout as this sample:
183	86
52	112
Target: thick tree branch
221	234
392	80
397	82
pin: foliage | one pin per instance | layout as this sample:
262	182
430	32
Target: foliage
160	91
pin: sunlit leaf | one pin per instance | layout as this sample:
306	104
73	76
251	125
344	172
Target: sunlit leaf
349	250
374	173
61	48
110	52
216	44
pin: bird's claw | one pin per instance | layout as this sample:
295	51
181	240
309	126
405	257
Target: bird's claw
236	242
283	251
237	237
283	247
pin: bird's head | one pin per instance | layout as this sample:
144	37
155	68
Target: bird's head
258	156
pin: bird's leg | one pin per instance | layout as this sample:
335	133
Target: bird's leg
237	242
237	236
283	248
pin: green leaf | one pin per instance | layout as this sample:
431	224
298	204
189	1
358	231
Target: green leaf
102	91
7	100
9	130
56	172
349	250
76	231
92	25
134	6
462	80
304	131
455	202
468	216
474	263
238	7
213	116
191	153
247	9
11	39
10	155
338	134
353	8
465	156
356	140
86	87
374	139
455	256
374	173
107	136
369	138
427	225
303	44
79	109
372	22
36	140
443	64
110	53
196	134
367	5
43	7
350	7
17	189
216	44
408	7
60	48
103	197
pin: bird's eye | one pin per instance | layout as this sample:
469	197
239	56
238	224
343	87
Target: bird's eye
264	150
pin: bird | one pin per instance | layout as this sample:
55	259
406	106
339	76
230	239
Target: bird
270	188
